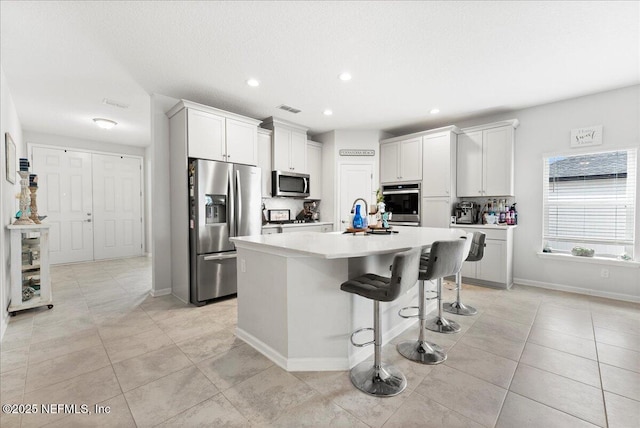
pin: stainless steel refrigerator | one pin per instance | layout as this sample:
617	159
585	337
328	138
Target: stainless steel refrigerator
225	201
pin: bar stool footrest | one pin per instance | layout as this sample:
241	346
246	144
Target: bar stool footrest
360	330
407	308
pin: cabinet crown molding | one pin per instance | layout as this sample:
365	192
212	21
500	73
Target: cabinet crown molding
450	128
511	122
270	122
182	104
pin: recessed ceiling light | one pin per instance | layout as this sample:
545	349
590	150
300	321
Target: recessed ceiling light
328	112
434	111
344	76
253	83
105	123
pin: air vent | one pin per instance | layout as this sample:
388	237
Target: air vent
288	108
114	103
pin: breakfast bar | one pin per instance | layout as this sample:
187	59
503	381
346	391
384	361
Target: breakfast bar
290	306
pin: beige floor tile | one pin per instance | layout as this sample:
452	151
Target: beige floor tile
89	388
58	314
12	341
630	325
561	393
619	357
235	366
268	395
49	372
145	368
474	398
521	412
12	383
620	381
164	398
127	325
506	329
617	338
53	348
481	364
118	416
123	348
63	329
554	311
186	326
420	411
13	359
214	412
622	412
601	305
494	343
206	346
564	342
561	363
316	412
574	327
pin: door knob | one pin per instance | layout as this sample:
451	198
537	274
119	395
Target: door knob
88	220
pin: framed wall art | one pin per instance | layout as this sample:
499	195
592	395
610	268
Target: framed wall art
10	157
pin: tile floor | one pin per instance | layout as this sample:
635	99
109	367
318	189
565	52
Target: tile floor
531	358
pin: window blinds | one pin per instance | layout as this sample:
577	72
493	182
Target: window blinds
590	198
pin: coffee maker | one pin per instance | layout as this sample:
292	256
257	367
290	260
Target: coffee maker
466	212
309	211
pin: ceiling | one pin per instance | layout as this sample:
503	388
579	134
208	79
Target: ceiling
62	58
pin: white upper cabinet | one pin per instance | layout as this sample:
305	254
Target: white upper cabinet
216	134
206	135
485	160
289	146
314	168
401	160
264	160
438	162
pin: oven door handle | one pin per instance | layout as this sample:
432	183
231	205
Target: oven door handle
400	192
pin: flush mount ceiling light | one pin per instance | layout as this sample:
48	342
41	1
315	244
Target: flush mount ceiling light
327	112
105	123
345	77
434	111
253	83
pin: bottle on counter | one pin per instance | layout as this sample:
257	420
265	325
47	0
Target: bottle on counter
358	221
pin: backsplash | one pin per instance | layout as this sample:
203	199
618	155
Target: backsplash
293	205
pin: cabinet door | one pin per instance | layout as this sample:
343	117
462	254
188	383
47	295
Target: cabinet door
205	135
314	168
469	165
492	267
469	270
436	165
270	230
326	228
264	162
242	142
389	162
436	212
411	160
281	153
298	152
497	147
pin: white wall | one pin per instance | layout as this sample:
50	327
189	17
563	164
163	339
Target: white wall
544	130
31	137
161	200
10	123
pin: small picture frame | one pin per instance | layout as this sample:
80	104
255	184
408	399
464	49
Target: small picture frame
10	157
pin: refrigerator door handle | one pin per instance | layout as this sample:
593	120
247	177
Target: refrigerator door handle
232	255
231	205
239	218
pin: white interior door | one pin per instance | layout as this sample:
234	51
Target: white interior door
356	181
117	206
64	196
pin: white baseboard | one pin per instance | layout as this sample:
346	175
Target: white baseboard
320	364
4	325
161	292
578	290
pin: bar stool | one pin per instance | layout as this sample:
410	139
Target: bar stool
444	259
382	379
439	323
475	255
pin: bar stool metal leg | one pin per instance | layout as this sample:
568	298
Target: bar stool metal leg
457	307
421	350
439	323
380	379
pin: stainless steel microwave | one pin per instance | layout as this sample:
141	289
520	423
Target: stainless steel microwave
289	184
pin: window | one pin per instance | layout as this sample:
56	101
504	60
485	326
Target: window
589	201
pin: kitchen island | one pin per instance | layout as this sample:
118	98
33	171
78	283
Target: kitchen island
291	308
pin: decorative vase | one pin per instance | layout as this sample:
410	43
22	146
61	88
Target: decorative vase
24	199
358	222
34	205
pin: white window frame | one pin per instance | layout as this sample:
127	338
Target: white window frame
633	246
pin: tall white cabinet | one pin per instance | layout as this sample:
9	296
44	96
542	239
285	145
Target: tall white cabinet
314	169
486	159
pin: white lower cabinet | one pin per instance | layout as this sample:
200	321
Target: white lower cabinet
496	267
303	227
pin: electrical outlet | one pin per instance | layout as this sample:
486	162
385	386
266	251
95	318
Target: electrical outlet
604	273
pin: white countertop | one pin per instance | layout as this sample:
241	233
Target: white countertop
275	225
336	245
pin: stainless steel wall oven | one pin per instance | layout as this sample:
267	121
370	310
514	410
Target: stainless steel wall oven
403	201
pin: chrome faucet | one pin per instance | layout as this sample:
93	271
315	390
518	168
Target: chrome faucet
366	206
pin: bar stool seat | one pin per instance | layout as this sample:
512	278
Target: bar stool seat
382	379
476	252
445	259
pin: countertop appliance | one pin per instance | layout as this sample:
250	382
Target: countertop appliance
225	201
289	184
466	212
278	215
403	201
